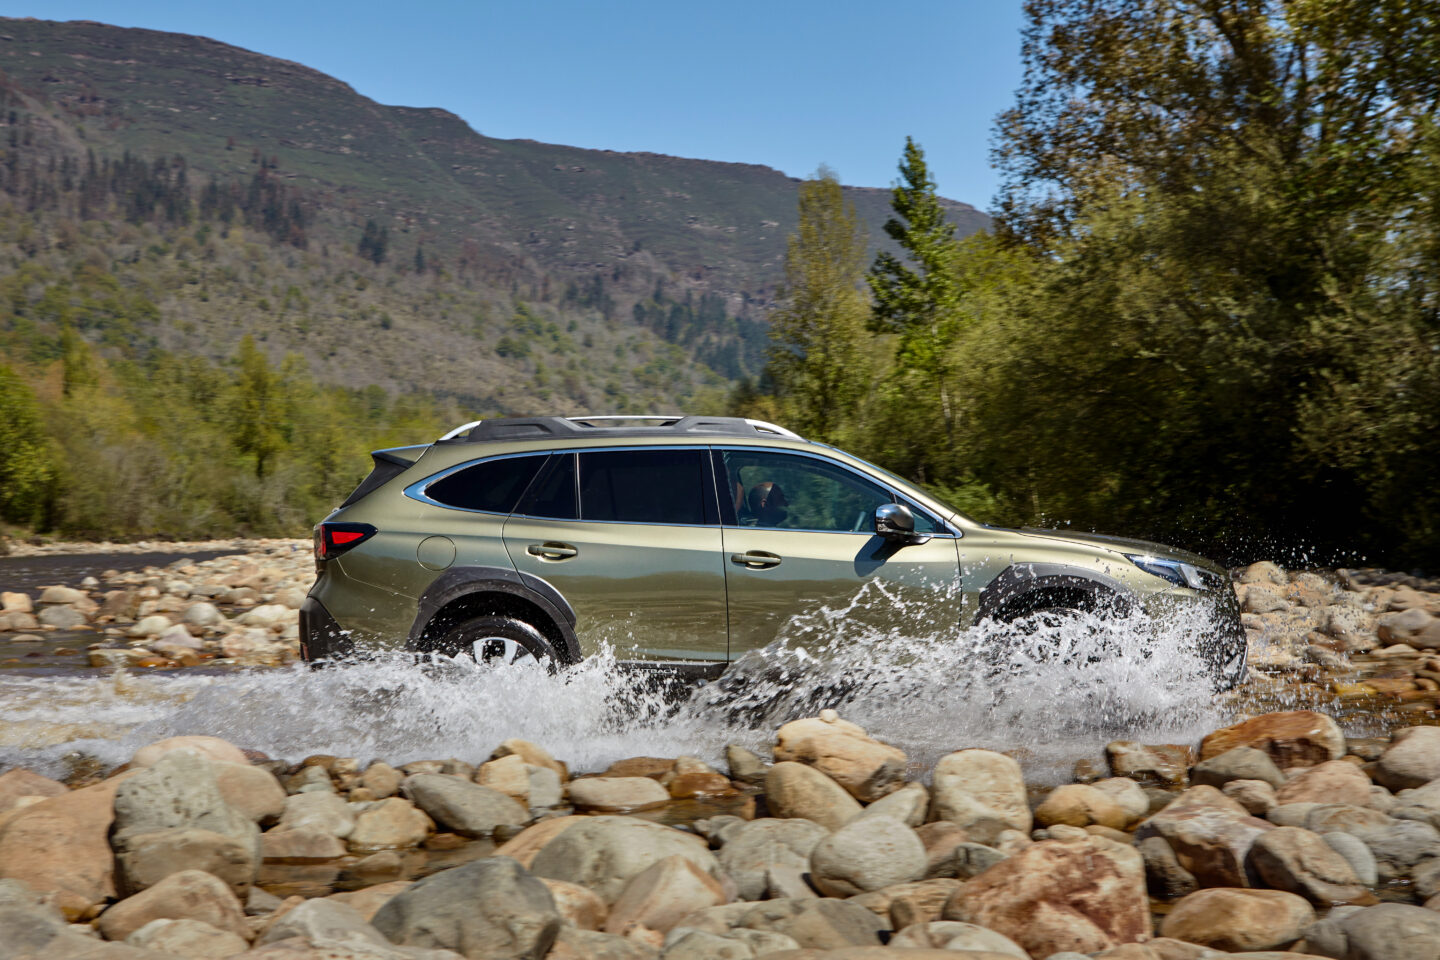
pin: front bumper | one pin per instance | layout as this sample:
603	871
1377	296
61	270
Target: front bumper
1221	642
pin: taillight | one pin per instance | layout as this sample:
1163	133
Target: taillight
333	539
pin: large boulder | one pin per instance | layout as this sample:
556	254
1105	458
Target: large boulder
171	817
1335	781
1295	738
1387	931
605	853
982	792
1210	834
662	894
60	847
796	790
617	794
1301	862
1237	763
867	854
491	909
1411	760
463	807
1239	920
1087	895
755	848
865	767
187	895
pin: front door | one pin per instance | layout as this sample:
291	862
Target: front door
631	538
802	559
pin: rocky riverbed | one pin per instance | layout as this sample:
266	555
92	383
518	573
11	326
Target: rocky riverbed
1107	810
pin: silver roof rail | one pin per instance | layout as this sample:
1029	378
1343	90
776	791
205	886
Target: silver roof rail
628	416
774	428
460	429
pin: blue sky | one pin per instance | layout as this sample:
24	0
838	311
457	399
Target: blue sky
790	83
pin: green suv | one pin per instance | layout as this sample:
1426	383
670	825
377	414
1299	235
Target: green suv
683	542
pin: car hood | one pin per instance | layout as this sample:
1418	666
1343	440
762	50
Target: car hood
1127	545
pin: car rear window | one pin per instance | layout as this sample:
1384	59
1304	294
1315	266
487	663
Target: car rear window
643	486
493	486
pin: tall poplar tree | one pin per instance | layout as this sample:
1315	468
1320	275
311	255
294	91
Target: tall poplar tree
818	360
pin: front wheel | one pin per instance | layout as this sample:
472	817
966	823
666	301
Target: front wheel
497	640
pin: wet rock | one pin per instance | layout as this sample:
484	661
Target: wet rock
1238	763
604	853
1387	931
903	904
1336	781
1079	805
982	792
1087	895
1406	626
12	602
1256	796
309	779
300	843
817	924
323	920
796	790
367	901
952	935
382	780
16	620
63	595
202	615
532	754
1166	879
171	817
1127	794
757	847
662	894
211	748
1210	834
527	844
508	775
191	939
151	626
940	839
19	782
61	618
29	928
1296	738
1301	862
1259	598
60	847
865	767
617	794
1426	878
463	807
1421	803
187	895
1353	849
579	906
656	768
1397	845
544	789
744	765
1411	760
1164	762
489	908
320	812
251	790
1239	920
390	824
866	855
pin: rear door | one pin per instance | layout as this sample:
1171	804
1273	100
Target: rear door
811	547
631	538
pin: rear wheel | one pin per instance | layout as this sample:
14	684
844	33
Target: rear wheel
497	640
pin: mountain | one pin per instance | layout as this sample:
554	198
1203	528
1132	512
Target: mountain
390	245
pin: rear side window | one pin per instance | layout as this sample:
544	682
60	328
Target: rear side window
552	495
493	486
644	486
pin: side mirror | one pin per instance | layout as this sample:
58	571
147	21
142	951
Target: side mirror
895	522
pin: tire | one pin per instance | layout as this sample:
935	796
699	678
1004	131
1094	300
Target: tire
499	640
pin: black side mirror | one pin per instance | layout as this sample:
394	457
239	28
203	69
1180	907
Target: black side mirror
895	522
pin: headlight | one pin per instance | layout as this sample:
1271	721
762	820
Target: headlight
1178	573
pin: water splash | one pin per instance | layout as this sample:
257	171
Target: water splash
1051	690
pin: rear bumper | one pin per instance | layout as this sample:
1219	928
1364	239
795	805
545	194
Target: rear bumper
320	636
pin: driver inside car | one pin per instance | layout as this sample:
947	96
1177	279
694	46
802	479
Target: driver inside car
767	505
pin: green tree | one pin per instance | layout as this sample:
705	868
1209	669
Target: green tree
819	362
26	468
258	406
919	299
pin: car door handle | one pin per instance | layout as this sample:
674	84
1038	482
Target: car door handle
755	560
551	551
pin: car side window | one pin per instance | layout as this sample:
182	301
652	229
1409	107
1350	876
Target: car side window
493	486
790	492
552	495
644	486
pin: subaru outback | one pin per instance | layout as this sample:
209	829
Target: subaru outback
682	542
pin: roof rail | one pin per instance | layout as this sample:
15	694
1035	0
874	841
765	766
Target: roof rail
525	428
